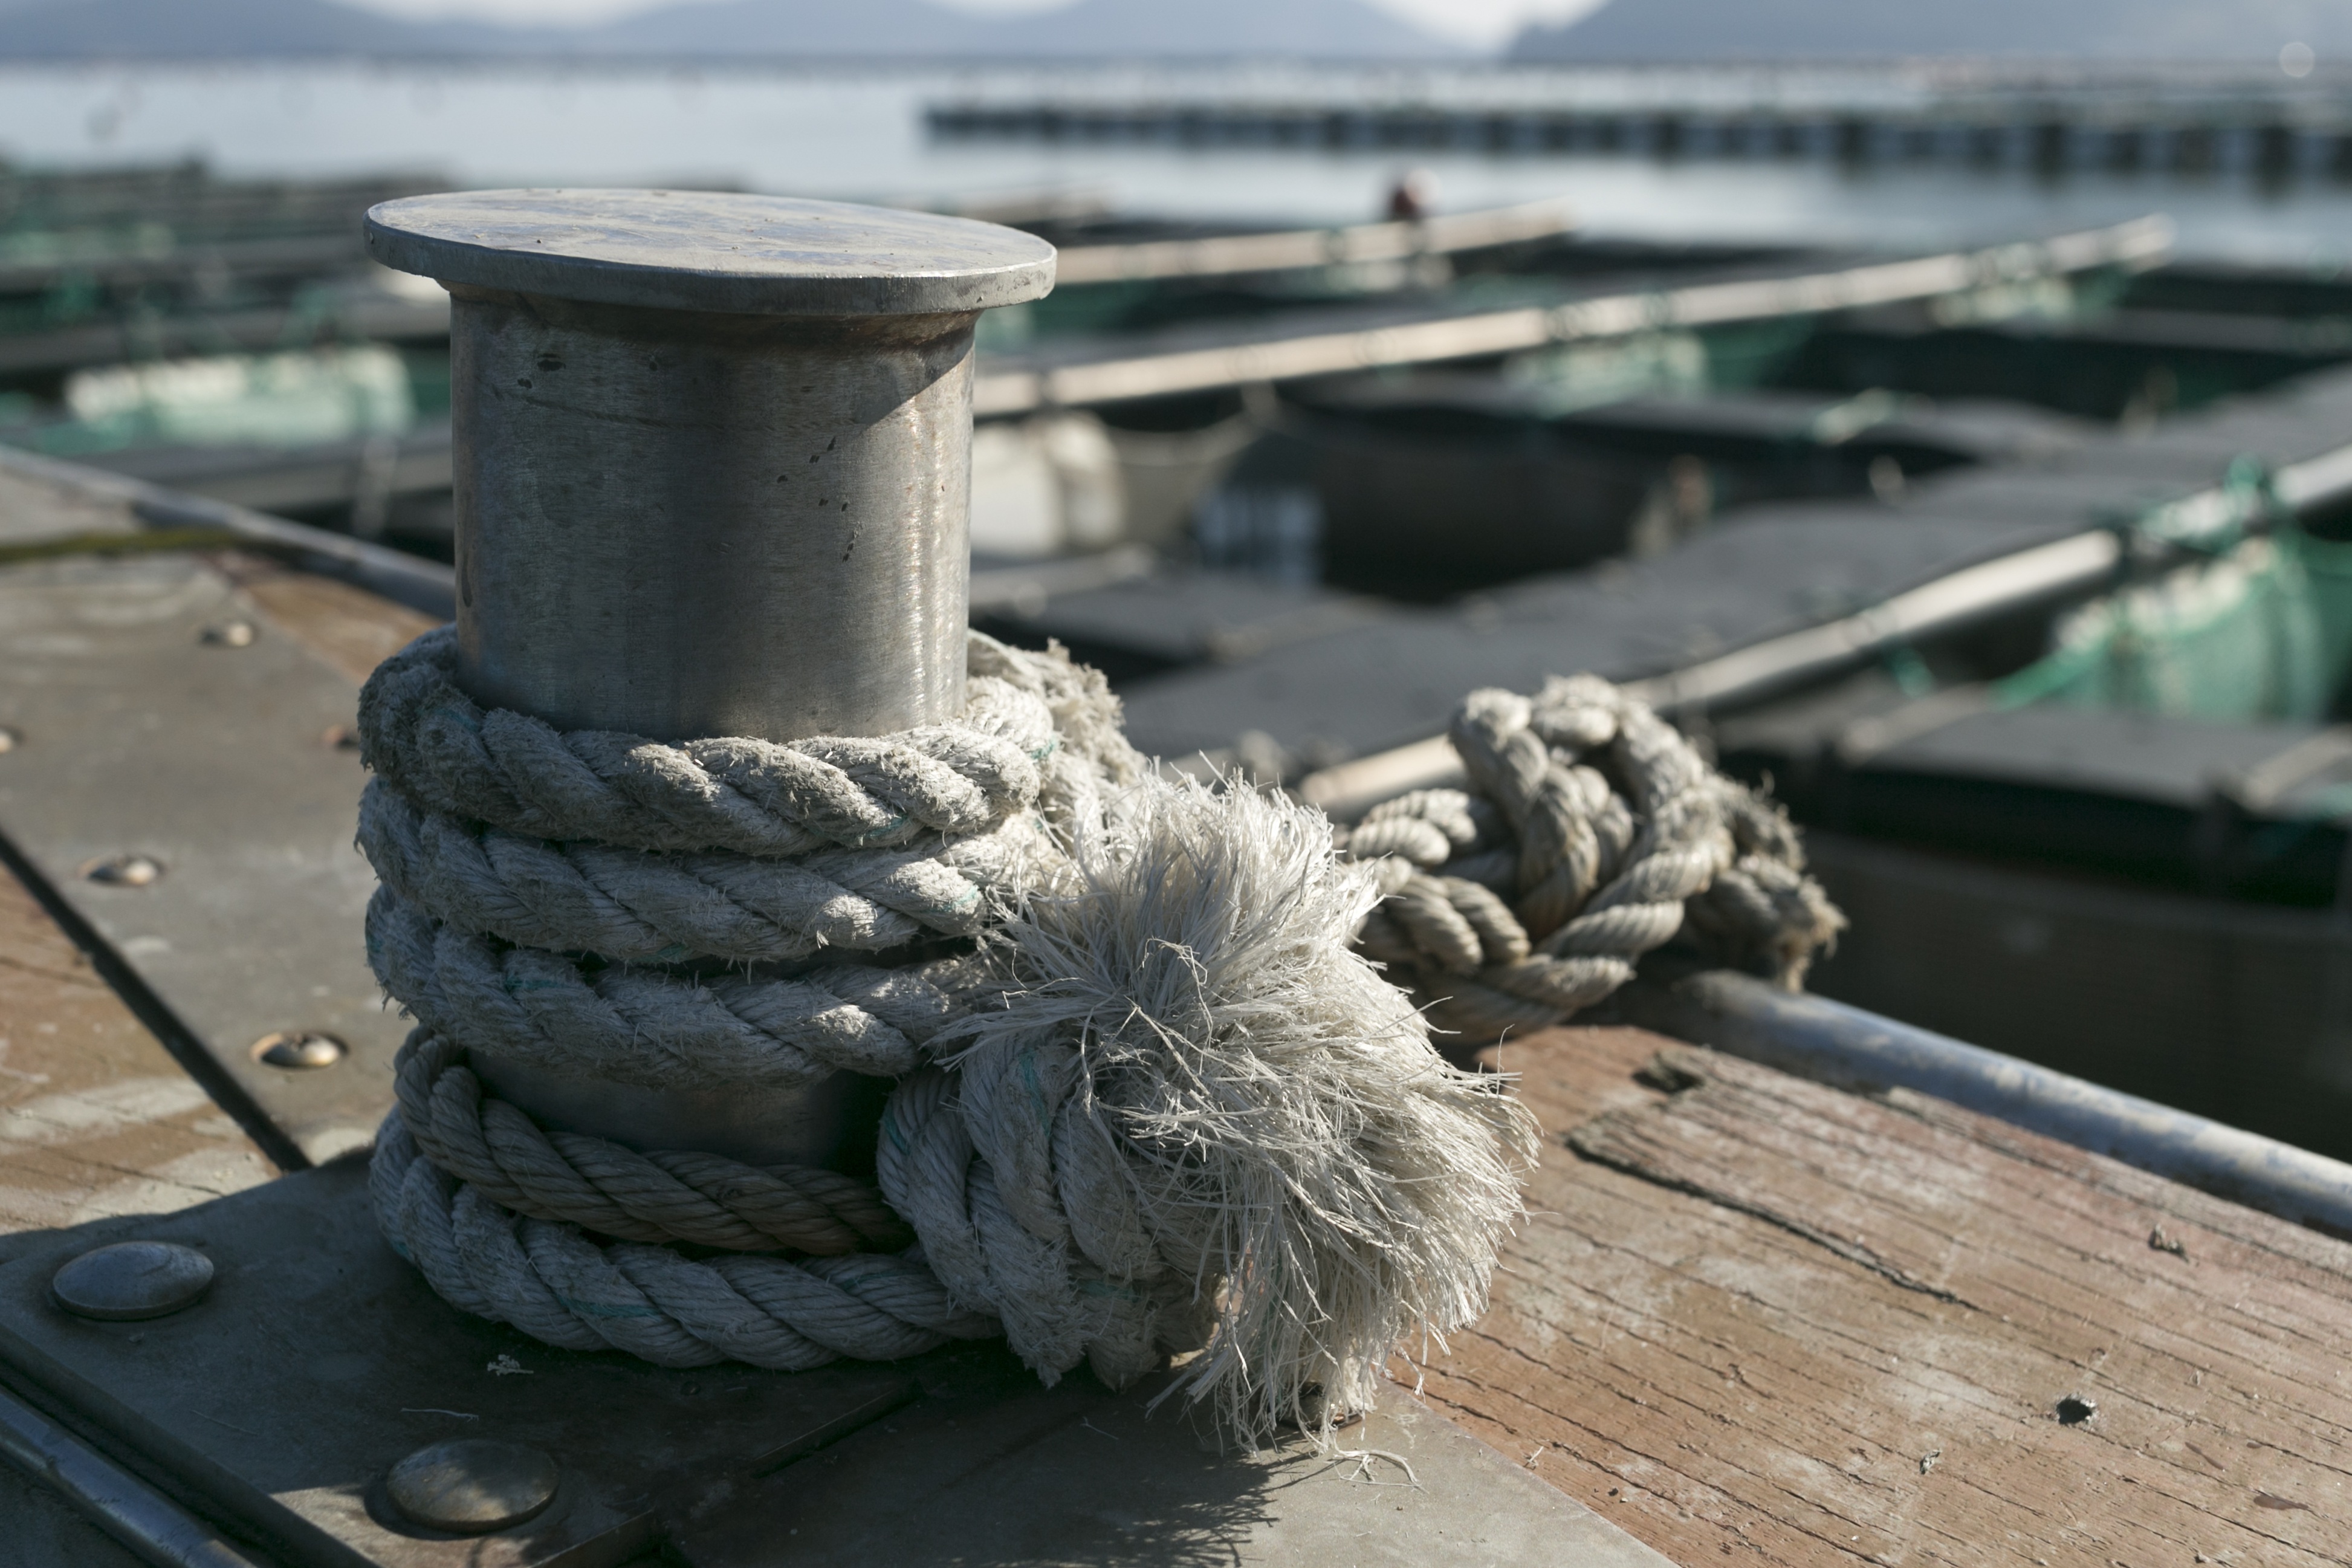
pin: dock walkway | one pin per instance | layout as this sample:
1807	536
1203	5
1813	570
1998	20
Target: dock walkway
1749	1319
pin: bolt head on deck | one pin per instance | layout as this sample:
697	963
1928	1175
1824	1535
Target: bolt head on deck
713	251
132	1281
473	1486
123	871
298	1050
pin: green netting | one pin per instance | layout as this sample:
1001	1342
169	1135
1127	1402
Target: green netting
2261	631
300	398
2327	571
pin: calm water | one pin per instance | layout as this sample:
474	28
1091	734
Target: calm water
858	131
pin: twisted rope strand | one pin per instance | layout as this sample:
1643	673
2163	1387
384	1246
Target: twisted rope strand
458	822
661	1196
421	733
645	1026
1167	1109
1612	838
632	906
554	1284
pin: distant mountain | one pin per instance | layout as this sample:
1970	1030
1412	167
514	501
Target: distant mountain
1306	28
81	29
790	28
1828	29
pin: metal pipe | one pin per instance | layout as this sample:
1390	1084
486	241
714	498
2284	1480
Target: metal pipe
421	584
712	456
118	1502
1832	1042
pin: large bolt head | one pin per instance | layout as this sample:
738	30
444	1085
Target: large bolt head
123	871
298	1050
132	1279
473	1486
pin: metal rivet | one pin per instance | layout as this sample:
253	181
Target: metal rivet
9	739
230	633
123	870
472	1486
298	1049
132	1279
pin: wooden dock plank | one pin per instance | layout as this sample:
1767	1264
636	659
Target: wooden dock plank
348	628
255	927
37	510
1757	1319
96	1117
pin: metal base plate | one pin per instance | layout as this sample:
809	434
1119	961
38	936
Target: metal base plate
138	737
319	1360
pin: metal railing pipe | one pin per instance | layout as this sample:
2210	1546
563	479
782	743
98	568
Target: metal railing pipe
1829	1042
116	1501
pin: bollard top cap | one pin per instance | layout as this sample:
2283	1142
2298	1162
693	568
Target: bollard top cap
704	250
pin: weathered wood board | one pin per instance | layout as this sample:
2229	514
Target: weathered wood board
352	630
96	1117
1759	1320
139	727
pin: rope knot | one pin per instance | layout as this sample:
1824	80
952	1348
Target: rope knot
1592	834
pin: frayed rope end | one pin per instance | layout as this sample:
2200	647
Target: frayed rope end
1225	1112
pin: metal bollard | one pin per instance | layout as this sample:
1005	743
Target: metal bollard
712	461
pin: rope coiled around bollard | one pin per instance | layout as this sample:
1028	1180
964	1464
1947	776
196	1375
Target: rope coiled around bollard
629	905
1151	1103
653	1027
664	1196
426	736
555	1284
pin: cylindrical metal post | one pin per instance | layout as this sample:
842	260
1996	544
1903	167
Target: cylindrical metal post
711	452
712	458
687	524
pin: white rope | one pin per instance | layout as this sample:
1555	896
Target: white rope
630	906
650	1026
1592	834
423	735
665	1195
1307	1174
1158	1107
554	1284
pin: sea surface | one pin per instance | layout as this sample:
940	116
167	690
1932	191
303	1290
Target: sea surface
853	130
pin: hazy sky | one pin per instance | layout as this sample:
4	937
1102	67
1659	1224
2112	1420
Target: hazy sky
1471	21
